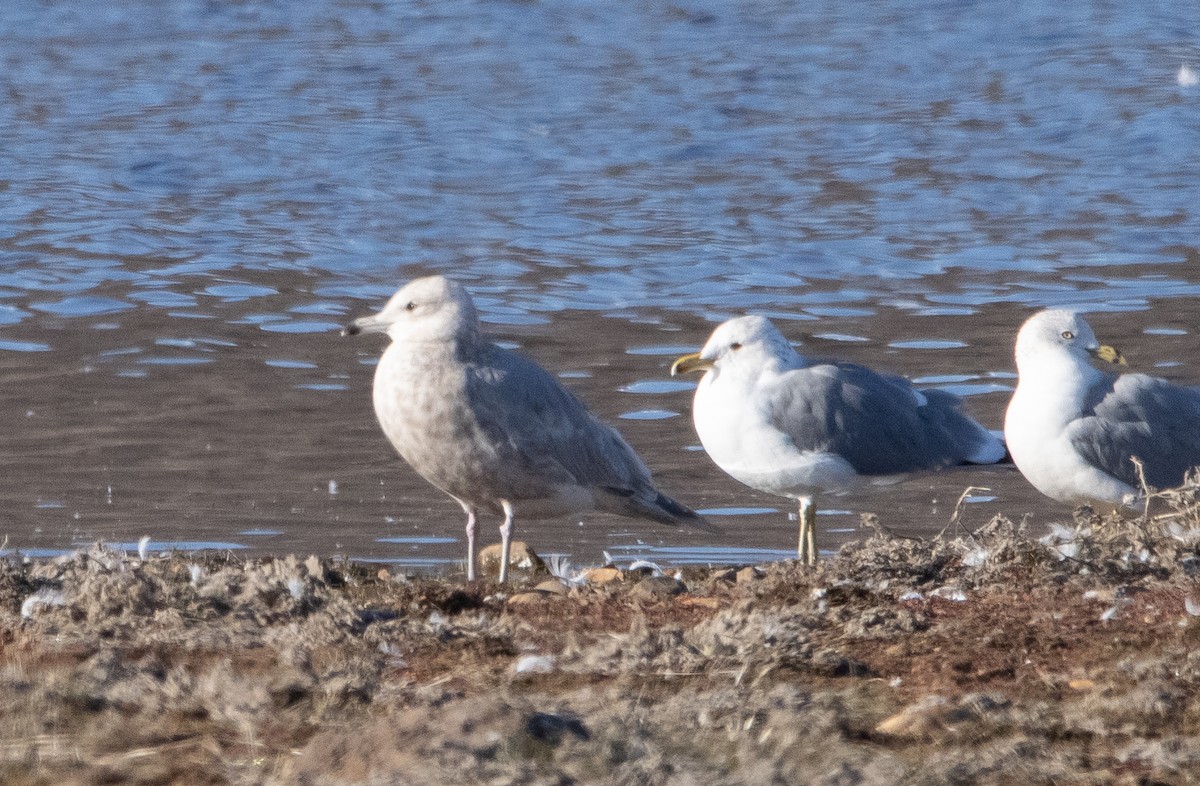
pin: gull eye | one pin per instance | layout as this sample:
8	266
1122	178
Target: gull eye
410	306
1068	335
735	346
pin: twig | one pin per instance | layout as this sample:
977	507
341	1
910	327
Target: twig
956	516
1146	493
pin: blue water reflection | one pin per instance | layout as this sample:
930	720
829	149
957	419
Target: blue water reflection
195	196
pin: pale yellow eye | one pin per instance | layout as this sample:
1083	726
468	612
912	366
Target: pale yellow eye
1068	335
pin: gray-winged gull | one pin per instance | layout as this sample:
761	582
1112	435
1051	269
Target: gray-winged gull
492	429
1072	429
795	427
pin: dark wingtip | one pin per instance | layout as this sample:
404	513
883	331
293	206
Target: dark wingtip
682	514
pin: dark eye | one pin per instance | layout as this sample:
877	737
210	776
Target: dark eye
735	346
411	305
1068	335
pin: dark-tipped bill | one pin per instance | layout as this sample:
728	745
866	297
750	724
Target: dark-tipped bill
688	363
369	324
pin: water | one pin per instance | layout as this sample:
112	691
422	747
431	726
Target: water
194	195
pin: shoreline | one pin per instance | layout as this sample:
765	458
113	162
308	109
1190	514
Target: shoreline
996	656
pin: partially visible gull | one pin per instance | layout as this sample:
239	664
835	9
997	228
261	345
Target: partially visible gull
1073	429
796	427
494	430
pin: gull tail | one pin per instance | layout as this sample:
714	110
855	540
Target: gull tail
964	440
990	450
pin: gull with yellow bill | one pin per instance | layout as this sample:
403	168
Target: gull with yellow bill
797	427
1074	430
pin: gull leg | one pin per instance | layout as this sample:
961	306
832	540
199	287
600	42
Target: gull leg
806	549
470	543
802	540
812	533
506	531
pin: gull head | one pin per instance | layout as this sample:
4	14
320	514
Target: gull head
425	309
745	344
1059	332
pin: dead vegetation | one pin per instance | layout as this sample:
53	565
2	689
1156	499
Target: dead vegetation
1000	655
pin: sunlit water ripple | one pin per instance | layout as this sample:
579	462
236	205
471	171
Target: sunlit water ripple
194	196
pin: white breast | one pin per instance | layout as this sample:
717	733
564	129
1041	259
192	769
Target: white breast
735	429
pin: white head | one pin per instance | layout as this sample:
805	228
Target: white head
749	344
426	309
1058	332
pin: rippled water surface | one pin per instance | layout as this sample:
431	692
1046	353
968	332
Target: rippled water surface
195	195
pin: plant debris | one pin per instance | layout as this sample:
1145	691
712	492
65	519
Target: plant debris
1001	655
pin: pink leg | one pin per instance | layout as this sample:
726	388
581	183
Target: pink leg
470	544
506	531
806	551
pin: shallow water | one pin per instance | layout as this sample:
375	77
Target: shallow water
195	195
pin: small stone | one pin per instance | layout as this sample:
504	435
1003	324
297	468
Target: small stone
658	587
534	664
520	557
918	720
935	716
552	586
602	575
1081	684
748	574
528	598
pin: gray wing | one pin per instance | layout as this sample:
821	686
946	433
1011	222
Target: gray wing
538	427
1143	416
875	421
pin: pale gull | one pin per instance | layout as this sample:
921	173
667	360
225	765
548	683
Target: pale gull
494	430
1073	429
787	425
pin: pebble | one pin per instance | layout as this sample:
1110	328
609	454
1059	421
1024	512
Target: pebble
529	597
552	586
748	574
520	557
658	587
602	575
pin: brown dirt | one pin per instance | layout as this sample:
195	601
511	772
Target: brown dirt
988	657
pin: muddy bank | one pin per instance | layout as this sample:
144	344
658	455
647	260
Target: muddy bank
1005	655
